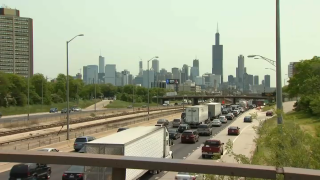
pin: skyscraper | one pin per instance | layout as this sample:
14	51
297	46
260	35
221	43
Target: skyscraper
140	68
267	80
101	64
256	80
16	43
240	68
217	57
155	65
176	74
230	79
185	72
92	74
196	63
110	74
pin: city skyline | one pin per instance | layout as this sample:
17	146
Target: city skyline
173	47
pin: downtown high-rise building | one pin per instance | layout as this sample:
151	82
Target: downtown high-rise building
256	80
110	74
176	74
101	64
267	81
140	68
217	57
16	43
155	65
240	72
291	69
195	63
91	72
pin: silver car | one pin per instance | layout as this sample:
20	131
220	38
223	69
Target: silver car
223	119
216	122
204	129
81	141
176	122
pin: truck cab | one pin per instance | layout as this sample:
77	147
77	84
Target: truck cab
212	147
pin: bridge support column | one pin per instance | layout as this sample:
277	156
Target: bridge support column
234	100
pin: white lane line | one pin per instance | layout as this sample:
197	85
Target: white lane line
241	132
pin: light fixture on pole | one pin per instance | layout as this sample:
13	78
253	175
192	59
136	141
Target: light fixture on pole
68	84
149	85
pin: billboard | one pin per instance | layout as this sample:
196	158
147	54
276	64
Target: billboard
172	81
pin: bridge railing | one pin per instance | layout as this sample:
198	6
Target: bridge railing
120	163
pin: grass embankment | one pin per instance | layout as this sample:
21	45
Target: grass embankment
124	104
268	107
298	137
15	110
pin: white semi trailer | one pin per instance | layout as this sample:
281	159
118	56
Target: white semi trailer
196	115
214	110
148	141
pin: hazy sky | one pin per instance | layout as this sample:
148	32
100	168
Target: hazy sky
175	30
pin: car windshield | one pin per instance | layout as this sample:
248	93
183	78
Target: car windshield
182	127
212	143
216	120
81	140
233	127
172	130
160	121
221	117
52	108
203	126
176	120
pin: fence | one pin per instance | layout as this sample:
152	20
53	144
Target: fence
55	138
120	163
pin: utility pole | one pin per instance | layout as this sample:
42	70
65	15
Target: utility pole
133	98
95	96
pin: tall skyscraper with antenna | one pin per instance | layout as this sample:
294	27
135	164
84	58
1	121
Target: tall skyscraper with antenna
217	56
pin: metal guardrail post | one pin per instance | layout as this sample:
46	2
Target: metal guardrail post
118	174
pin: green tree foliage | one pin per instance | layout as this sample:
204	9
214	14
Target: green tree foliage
14	90
306	84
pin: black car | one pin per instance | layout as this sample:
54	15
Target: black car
163	122
174	134
183	115
229	117
225	111
122	129
74	173
247	119
183	127
30	171
53	110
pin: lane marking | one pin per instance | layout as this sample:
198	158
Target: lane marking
241	132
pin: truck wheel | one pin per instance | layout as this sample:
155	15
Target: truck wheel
222	152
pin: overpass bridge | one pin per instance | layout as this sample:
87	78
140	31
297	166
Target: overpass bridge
218	98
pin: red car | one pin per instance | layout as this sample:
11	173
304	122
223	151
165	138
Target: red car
212	147
233	130
189	136
269	113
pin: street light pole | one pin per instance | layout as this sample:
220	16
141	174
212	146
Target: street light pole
278	63
133	98
149	85
28	93
68	130
42	92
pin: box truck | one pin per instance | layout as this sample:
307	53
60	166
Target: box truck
196	115
148	141
214	110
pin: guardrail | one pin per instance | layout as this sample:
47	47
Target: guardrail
120	163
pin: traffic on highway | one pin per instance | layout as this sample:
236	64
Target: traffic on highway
196	128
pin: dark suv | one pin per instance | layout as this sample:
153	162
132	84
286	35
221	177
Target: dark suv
190	136
53	110
30	171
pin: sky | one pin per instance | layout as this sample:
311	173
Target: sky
177	31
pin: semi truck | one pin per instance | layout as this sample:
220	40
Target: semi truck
244	104
147	141
196	115
214	110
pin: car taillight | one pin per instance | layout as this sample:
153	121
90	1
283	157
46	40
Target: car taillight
182	136
29	173
75	144
176	178
192	136
193	178
80	175
64	175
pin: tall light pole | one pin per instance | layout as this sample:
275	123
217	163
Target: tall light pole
68	84
133	97
95	93
276	63
149	85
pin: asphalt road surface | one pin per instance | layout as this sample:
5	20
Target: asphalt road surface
179	152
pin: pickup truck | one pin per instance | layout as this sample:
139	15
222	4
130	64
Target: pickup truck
212	147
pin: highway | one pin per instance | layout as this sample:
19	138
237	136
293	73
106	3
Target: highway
180	151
